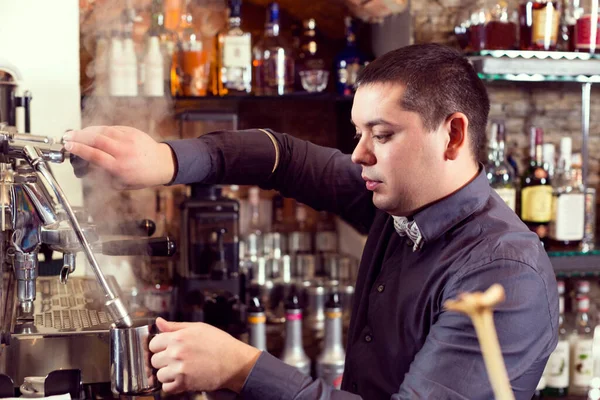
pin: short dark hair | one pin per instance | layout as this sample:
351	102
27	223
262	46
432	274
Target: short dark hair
439	81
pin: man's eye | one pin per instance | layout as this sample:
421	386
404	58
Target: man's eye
357	136
381	138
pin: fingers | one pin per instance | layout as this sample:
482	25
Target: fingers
170	373
166	326
93	155
106	139
159	343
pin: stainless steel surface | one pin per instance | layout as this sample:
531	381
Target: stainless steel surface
26	272
131	370
69	328
35	159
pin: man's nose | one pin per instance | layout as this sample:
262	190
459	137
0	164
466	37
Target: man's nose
362	154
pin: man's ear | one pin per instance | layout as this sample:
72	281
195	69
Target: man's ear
456	126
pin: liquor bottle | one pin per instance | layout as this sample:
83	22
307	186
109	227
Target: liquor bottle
192	58
548	157
582	365
309	61
587	39
536	189
326	233
539	22
348	62
571	13
300	239
153	69
167	41
130	62
557	369
293	351
116	78
273	62
330	363
501	26
499	173
255	237
275	245
257	324
568	204
234	55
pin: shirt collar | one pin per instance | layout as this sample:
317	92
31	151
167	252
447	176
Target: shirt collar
438	218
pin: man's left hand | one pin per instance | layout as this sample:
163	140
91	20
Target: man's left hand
199	357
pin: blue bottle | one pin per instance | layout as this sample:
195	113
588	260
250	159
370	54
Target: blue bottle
348	62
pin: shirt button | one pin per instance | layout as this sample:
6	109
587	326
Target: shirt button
354	387
368	338
381	288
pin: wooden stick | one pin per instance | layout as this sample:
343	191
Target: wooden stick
479	307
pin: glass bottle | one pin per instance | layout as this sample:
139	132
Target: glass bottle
167	40
192	58
536	189
348	62
557	369
501	26
273	61
568	204
234	55
539	22
582	365
310	65
499	173
587	38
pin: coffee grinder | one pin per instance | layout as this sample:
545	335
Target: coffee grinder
208	283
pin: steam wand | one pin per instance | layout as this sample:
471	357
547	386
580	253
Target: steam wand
114	304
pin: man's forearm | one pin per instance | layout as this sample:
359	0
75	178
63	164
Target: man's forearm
271	378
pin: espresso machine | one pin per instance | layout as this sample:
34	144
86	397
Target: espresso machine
70	333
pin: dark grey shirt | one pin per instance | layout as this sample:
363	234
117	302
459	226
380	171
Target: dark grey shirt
402	344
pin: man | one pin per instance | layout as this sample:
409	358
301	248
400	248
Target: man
436	229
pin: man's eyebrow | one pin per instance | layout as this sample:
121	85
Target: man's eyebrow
375	122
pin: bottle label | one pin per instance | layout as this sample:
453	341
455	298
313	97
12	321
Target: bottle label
237	51
333	314
583	364
557	369
536	203
583	32
509	195
293	317
257	319
545	26
568	216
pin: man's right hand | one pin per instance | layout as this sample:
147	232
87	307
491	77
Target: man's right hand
130	156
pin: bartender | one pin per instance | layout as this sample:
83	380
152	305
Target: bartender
436	229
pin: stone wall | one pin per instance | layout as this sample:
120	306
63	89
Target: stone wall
554	107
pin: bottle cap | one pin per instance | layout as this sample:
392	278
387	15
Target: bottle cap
333	301
255	306
293	301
